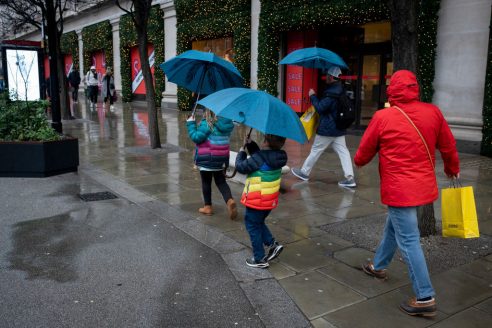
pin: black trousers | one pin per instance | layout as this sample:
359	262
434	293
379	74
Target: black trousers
75	93
93	90
220	182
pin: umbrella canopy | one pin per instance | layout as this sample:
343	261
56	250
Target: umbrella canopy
258	110
201	72
314	58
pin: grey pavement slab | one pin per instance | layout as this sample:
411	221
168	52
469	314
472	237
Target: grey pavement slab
280	271
305	255
468	318
316	294
273	304
321	323
379	312
479	268
237	265
485	306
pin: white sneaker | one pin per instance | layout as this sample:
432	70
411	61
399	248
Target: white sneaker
111	108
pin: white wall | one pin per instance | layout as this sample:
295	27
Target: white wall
462	44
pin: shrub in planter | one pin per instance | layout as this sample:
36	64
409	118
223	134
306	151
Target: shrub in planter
29	147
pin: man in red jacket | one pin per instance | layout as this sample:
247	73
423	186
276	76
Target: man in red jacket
406	168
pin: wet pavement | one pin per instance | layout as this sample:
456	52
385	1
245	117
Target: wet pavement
316	279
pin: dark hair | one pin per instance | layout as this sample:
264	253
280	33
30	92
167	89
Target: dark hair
275	142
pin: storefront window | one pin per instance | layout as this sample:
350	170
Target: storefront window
377	32
218	46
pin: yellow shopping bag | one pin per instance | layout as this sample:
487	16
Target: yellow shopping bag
309	121
459	215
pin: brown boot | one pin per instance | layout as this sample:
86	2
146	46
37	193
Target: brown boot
207	210
419	308
231	207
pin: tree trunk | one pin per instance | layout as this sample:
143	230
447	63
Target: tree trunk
142	13
53	58
404	20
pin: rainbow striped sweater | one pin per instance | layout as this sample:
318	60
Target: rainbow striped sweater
264	170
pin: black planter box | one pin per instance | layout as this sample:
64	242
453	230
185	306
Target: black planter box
38	158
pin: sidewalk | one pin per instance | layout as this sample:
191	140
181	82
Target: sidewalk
319	268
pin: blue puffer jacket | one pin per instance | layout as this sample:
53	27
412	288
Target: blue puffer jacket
327	110
212	145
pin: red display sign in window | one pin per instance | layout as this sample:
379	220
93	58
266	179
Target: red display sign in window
138	85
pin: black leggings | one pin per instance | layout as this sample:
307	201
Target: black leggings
220	182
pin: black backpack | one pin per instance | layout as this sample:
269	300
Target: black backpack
345	115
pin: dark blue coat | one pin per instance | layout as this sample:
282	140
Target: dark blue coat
327	110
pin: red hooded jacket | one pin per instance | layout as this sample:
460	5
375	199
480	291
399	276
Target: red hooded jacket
407	176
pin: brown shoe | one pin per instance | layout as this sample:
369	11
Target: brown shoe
369	269
231	207
419	308
207	210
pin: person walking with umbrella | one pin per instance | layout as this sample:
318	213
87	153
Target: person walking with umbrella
327	133
211	137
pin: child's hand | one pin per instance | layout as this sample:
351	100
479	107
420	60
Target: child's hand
190	118
311	92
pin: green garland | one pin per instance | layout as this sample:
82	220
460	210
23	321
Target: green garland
128	39
486	148
210	19
98	37
69	45
427	43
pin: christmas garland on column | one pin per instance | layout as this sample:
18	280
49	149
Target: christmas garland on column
69	45
98	37
486	148
211	19
128	39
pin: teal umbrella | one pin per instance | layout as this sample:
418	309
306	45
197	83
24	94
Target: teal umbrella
314	58
258	110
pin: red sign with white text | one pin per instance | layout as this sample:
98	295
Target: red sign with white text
68	63
138	85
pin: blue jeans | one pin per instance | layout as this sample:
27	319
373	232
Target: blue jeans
402	231
258	231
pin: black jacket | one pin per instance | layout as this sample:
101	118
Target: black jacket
274	159
327	110
74	78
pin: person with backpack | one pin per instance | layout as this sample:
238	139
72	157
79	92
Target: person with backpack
331	129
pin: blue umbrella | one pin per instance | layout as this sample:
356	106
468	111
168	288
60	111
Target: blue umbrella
314	58
202	72
258	110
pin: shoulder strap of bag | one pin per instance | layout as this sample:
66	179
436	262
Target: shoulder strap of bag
418	131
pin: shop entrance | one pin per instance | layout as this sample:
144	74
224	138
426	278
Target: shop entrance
367	51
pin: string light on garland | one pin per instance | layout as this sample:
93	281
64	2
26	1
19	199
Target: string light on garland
486	148
69	45
98	37
212	19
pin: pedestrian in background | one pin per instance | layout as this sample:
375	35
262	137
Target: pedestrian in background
108	88
211	137
260	194
92	83
327	133
406	135
74	80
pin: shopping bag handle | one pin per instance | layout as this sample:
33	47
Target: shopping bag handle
455	183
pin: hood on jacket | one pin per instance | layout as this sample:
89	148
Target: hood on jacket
403	87
224	125
275	159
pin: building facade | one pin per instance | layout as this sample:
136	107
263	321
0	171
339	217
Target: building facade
453	49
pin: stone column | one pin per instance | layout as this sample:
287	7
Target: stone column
255	25
81	58
115	23
170	94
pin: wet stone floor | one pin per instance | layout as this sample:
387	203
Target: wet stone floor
327	231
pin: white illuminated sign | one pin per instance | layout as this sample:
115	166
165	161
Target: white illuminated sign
23	74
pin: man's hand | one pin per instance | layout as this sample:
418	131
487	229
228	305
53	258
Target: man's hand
311	92
190	118
454	176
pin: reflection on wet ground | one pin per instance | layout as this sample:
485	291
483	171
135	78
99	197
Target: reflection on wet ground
315	259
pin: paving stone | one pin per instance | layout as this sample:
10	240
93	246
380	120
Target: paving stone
468	318
314	219
356	279
379	312
321	323
221	221
237	264
457	290
209	236
273	305
485	306
280	271
300	228
317	294
488	258
167	212
305	255
480	268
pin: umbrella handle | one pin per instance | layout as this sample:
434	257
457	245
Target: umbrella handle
233	174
